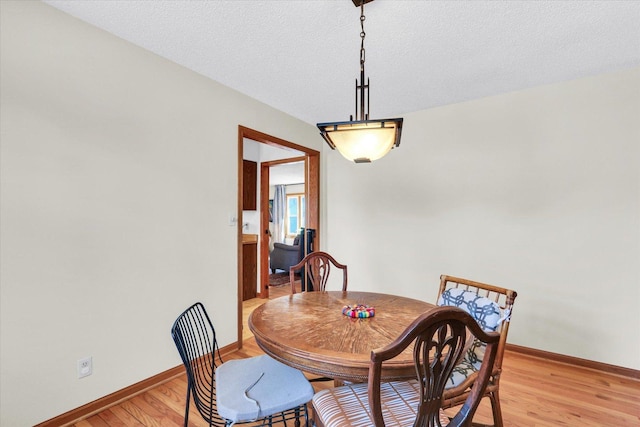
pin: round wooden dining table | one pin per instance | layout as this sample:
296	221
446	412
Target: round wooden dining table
308	331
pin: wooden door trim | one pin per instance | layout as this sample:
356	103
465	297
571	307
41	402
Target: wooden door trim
264	218
285	161
312	188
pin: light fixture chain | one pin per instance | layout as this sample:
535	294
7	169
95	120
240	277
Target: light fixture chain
362	35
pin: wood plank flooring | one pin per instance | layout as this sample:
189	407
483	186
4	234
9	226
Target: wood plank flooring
534	393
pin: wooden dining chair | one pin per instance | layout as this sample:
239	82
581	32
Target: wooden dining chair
491	306
439	337
317	268
257	390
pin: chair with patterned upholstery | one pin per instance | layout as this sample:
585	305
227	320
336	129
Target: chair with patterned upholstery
317	267
439	338
491	306
257	390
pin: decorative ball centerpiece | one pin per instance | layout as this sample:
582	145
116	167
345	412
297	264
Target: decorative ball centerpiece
358	311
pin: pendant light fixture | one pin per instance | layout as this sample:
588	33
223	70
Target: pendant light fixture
362	140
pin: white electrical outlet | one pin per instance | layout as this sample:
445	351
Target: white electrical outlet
85	367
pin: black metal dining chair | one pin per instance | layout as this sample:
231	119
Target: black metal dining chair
259	389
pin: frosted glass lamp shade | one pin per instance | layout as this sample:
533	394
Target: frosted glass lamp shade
362	141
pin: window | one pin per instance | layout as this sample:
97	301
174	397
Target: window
296	211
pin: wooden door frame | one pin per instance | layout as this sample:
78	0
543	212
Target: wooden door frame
264	216
312	191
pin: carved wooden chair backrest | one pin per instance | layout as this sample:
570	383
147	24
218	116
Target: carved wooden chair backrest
439	338
317	268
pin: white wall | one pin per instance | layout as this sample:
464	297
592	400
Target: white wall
536	190
118	172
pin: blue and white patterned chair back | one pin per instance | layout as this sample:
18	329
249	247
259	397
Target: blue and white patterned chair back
488	315
491	306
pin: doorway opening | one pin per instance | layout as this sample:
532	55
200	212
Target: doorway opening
256	235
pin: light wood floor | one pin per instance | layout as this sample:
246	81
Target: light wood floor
249	305
534	392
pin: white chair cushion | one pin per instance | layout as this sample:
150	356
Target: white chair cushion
349	405
487	313
280	388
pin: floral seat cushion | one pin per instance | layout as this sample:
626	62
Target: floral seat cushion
488	315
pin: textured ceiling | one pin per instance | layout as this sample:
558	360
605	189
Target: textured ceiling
302	56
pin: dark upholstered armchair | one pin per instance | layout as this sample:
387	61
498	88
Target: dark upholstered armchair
284	256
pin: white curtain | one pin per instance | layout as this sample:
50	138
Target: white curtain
279	210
